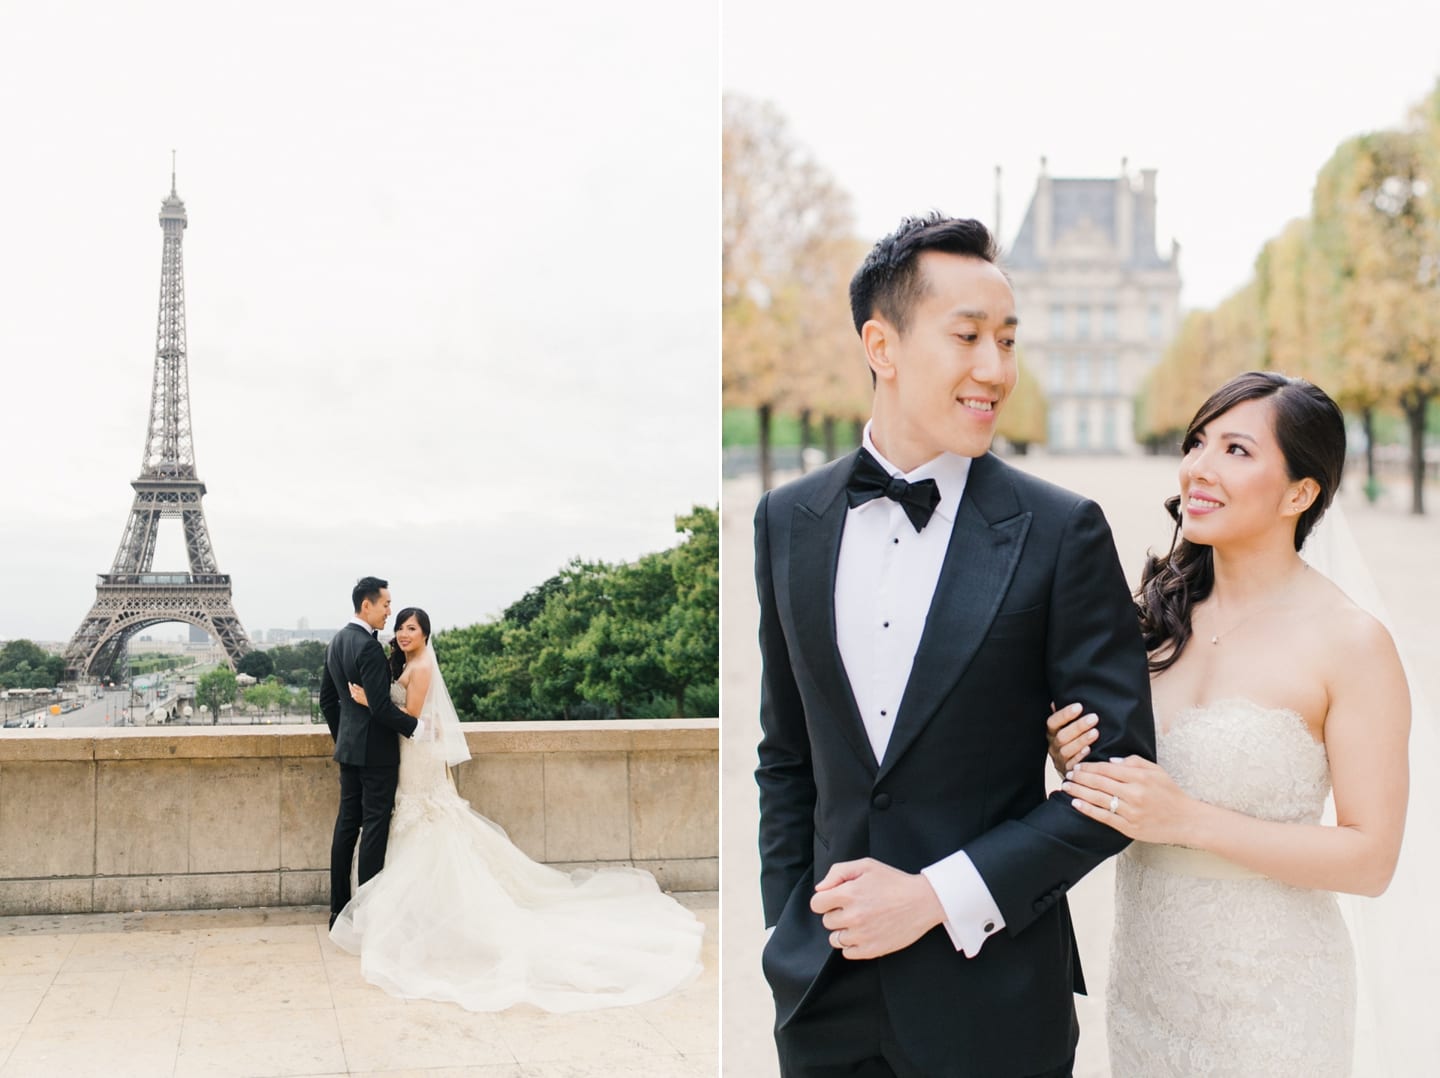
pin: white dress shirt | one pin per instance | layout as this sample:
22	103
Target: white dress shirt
884	583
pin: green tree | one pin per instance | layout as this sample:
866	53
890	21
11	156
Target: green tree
26	665
597	639
549	642
269	696
215	689
690	629
257	664
298	664
619	654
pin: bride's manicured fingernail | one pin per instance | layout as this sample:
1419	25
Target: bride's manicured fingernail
1069	774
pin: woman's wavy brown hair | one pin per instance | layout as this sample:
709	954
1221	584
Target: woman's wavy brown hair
1311	434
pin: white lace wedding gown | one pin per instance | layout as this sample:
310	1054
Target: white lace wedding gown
460	914
1216	970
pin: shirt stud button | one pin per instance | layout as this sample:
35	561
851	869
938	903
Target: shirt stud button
989	927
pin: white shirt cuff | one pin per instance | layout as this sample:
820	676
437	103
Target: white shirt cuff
971	916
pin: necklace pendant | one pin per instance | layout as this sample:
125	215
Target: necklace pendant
1215	639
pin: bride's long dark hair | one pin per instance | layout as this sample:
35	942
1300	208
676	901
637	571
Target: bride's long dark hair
1311	434
397	657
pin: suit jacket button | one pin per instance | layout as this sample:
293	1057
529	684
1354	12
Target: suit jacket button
881	801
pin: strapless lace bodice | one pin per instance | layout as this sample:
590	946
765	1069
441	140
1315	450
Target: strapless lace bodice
1216	970
424	777
1257	760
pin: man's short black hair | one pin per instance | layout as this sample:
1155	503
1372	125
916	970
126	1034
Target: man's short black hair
367	587
890	283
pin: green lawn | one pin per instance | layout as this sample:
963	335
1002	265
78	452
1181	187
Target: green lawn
741	426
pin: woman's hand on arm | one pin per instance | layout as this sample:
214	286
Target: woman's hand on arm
1069	735
1148	805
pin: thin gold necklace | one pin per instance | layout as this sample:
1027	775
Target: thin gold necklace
1284	591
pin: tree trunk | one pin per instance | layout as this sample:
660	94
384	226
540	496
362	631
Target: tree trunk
680	703
1416	403
1367	416
858	432
827	425
762	447
804	436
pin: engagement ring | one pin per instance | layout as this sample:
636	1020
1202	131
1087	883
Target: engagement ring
1115	804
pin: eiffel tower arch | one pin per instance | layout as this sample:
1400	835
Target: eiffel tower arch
132	597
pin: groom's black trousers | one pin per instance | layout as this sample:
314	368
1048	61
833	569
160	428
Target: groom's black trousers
367	798
843	1031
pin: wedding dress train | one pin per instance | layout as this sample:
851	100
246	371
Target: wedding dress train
460	914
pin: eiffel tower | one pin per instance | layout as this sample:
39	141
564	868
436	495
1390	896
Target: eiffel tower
130	597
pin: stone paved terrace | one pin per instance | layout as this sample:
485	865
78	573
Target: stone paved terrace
262	992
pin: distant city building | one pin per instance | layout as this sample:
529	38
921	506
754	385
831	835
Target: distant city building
1098	303
276	637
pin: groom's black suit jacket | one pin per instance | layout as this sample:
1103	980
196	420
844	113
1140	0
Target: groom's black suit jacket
1031	607
364	736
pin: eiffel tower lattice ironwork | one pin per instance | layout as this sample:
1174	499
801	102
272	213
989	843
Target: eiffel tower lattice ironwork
131	597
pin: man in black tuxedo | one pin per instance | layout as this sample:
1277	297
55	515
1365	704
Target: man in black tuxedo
367	747
921	604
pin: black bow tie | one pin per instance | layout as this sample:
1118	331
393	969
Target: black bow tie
868	481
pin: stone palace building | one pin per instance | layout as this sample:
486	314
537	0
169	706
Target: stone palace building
1098	303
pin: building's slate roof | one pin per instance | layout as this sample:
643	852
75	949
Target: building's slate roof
1074	200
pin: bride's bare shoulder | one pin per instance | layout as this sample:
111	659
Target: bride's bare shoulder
418	668
1344	621
1356	650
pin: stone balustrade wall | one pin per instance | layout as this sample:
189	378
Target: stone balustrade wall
144	819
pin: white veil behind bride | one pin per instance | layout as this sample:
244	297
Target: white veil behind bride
1396	936
438	713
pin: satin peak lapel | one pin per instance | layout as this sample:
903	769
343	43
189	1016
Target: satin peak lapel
985	547
815	531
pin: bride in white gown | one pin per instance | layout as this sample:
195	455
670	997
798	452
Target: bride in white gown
460	914
1229	954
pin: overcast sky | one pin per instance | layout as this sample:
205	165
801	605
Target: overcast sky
451	274
1236	103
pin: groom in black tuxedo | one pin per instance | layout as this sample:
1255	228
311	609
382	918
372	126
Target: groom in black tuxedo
921	604
367	747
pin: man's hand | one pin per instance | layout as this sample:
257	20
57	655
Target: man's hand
872	909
